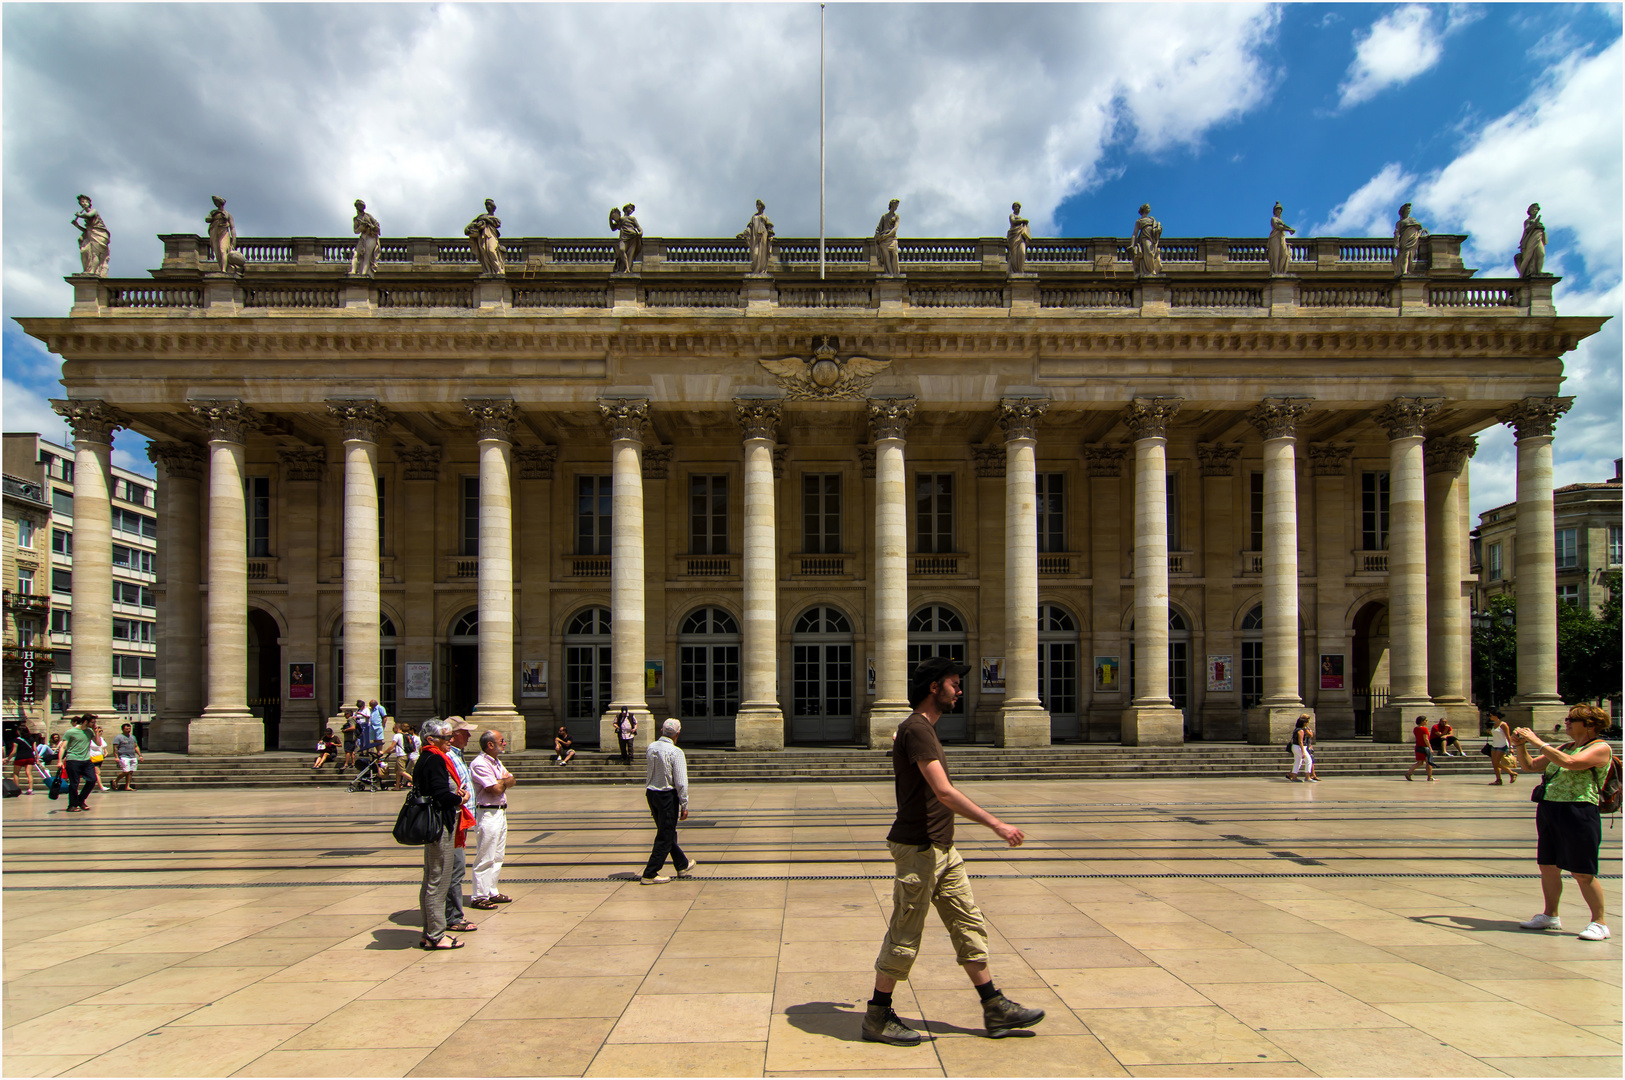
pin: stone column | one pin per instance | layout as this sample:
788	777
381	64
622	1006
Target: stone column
1446	464
1104	465
1334	538
760	722
180	607
493	432
1534	565
1152	719
1406	420
1221	712
226	726
93	424
362	656
628	423
1277	421
1023	721
888	424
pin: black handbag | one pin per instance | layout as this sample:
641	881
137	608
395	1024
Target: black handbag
419	821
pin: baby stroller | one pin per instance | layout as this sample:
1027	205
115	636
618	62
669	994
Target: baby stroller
370	777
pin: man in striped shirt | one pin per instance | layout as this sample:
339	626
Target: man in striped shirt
667	793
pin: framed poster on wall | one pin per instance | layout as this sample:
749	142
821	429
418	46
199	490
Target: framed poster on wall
533	678
419	681
301	682
1331	671
1108	670
1221	672
992	674
654	678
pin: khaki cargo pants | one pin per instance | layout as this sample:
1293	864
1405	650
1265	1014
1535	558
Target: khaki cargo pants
934	876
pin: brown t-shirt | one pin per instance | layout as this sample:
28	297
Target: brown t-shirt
921	818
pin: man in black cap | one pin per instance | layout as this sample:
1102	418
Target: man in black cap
929	869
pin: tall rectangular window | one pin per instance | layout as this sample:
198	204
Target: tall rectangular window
257	492
1374	511
471	515
61	502
25	533
708	515
934	513
1051	512
62	582
1568	594
821	513
61	621
62	541
25	582
1174	543
1255	511
1614	552
595	498
1568	549
1494	561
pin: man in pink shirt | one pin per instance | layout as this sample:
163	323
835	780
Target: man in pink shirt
491	783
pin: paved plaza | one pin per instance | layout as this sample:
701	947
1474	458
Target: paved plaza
1214	927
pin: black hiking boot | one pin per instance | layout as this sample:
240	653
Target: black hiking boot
1002	1016
880	1024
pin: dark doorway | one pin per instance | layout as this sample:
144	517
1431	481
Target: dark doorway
1370	649
463	682
265	674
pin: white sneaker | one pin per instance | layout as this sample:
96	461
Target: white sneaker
1594	932
657	880
1543	922
692	863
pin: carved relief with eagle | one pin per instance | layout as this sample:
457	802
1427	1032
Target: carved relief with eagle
825	375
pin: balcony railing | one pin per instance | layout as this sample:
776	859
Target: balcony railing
1181	562
937	565
35	603
1370	562
706	565
588	566
821	565
459	567
1054	564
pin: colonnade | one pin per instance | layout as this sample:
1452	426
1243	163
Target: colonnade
1426	565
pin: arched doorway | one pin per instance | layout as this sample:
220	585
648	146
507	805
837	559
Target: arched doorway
388	643
1179	664
821	709
460	688
1252	658
586	674
1369	664
708	675
265	673
1058	671
937	630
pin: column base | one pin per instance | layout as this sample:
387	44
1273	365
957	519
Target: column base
1464	716
883	719
610	743
1271	725
509	722
759	725
1153	725
219	736
1021	725
1538	717
167	734
1223	723
1393	723
1334	722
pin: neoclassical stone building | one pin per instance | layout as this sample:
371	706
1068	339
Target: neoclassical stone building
1146	509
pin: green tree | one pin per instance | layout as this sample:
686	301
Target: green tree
1588	648
1495	653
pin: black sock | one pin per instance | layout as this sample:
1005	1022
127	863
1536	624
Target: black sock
881	998
987	990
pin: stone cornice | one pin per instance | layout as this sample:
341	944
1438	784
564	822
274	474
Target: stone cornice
1105	461
493	418
1407	417
1277	418
1448	455
227	419
92	420
759	417
360	418
1218	459
626	418
535	462
181	460
1536	417
299	463
1330	459
1147	418
1018	417
889	417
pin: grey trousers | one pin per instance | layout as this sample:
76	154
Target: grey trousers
454	889
438	863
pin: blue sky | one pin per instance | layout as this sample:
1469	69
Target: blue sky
1210	112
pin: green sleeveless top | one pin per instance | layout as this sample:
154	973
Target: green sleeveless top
1573	785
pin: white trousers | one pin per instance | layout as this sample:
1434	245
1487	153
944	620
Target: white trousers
1300	760
492	826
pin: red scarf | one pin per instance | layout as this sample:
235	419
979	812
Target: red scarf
465	820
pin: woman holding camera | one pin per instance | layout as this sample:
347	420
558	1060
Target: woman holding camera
1568	824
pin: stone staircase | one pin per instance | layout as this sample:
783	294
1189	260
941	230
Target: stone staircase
849	765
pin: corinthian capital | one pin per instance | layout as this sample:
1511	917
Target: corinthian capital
1448	455
419	462
1407	417
493	418
304	464
1532	417
1104	461
1277	418
1019	417
759	417
535	462
626	418
1218	459
359	417
1147	418
1329	459
889	417
227	419
92	420
181	460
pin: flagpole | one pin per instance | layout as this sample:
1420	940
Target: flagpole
820	142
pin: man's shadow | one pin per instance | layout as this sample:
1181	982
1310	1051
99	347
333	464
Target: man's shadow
1468	922
843	1021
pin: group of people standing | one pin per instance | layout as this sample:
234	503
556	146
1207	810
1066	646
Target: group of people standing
75	757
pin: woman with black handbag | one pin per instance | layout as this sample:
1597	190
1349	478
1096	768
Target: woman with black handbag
1568	822
434	779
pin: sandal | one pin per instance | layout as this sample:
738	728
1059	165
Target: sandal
500	899
462	926
436	946
484	903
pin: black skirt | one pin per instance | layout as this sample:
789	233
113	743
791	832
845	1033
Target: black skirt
1569	836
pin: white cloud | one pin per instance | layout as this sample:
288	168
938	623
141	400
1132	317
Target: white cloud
1374	206
1398	47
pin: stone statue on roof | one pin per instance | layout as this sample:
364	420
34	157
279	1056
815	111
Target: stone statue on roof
364	259
485	233
1531	259
759	235
1146	243
223	237
886	241
1408	234
94	239
1279	251
629	245
1016	239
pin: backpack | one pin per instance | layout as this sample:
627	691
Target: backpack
1608	796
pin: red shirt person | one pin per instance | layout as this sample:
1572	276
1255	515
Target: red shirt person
1424	752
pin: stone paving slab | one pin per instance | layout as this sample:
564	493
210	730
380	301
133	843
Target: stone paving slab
1210	927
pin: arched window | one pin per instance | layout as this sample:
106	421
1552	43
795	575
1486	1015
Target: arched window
388	670
586	673
938	630
1058	670
708	676
467	628
822	692
1252	657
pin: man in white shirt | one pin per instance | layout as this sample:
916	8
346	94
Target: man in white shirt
491	783
667	793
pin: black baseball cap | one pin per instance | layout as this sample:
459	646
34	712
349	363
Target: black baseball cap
932	669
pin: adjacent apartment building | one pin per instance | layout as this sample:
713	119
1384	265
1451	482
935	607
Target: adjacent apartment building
1586	543
43	569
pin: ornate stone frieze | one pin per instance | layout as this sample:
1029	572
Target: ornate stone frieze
303	463
825	375
1448	455
1147	418
866	460
759	417
419	462
493	418
1018	417
889	417
1277	418
656	462
989	461
1330	459
181	460
781	462
1532	417
1218	459
227	419
626	418
92	420
1104	460
1407	417
535	462
360	418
